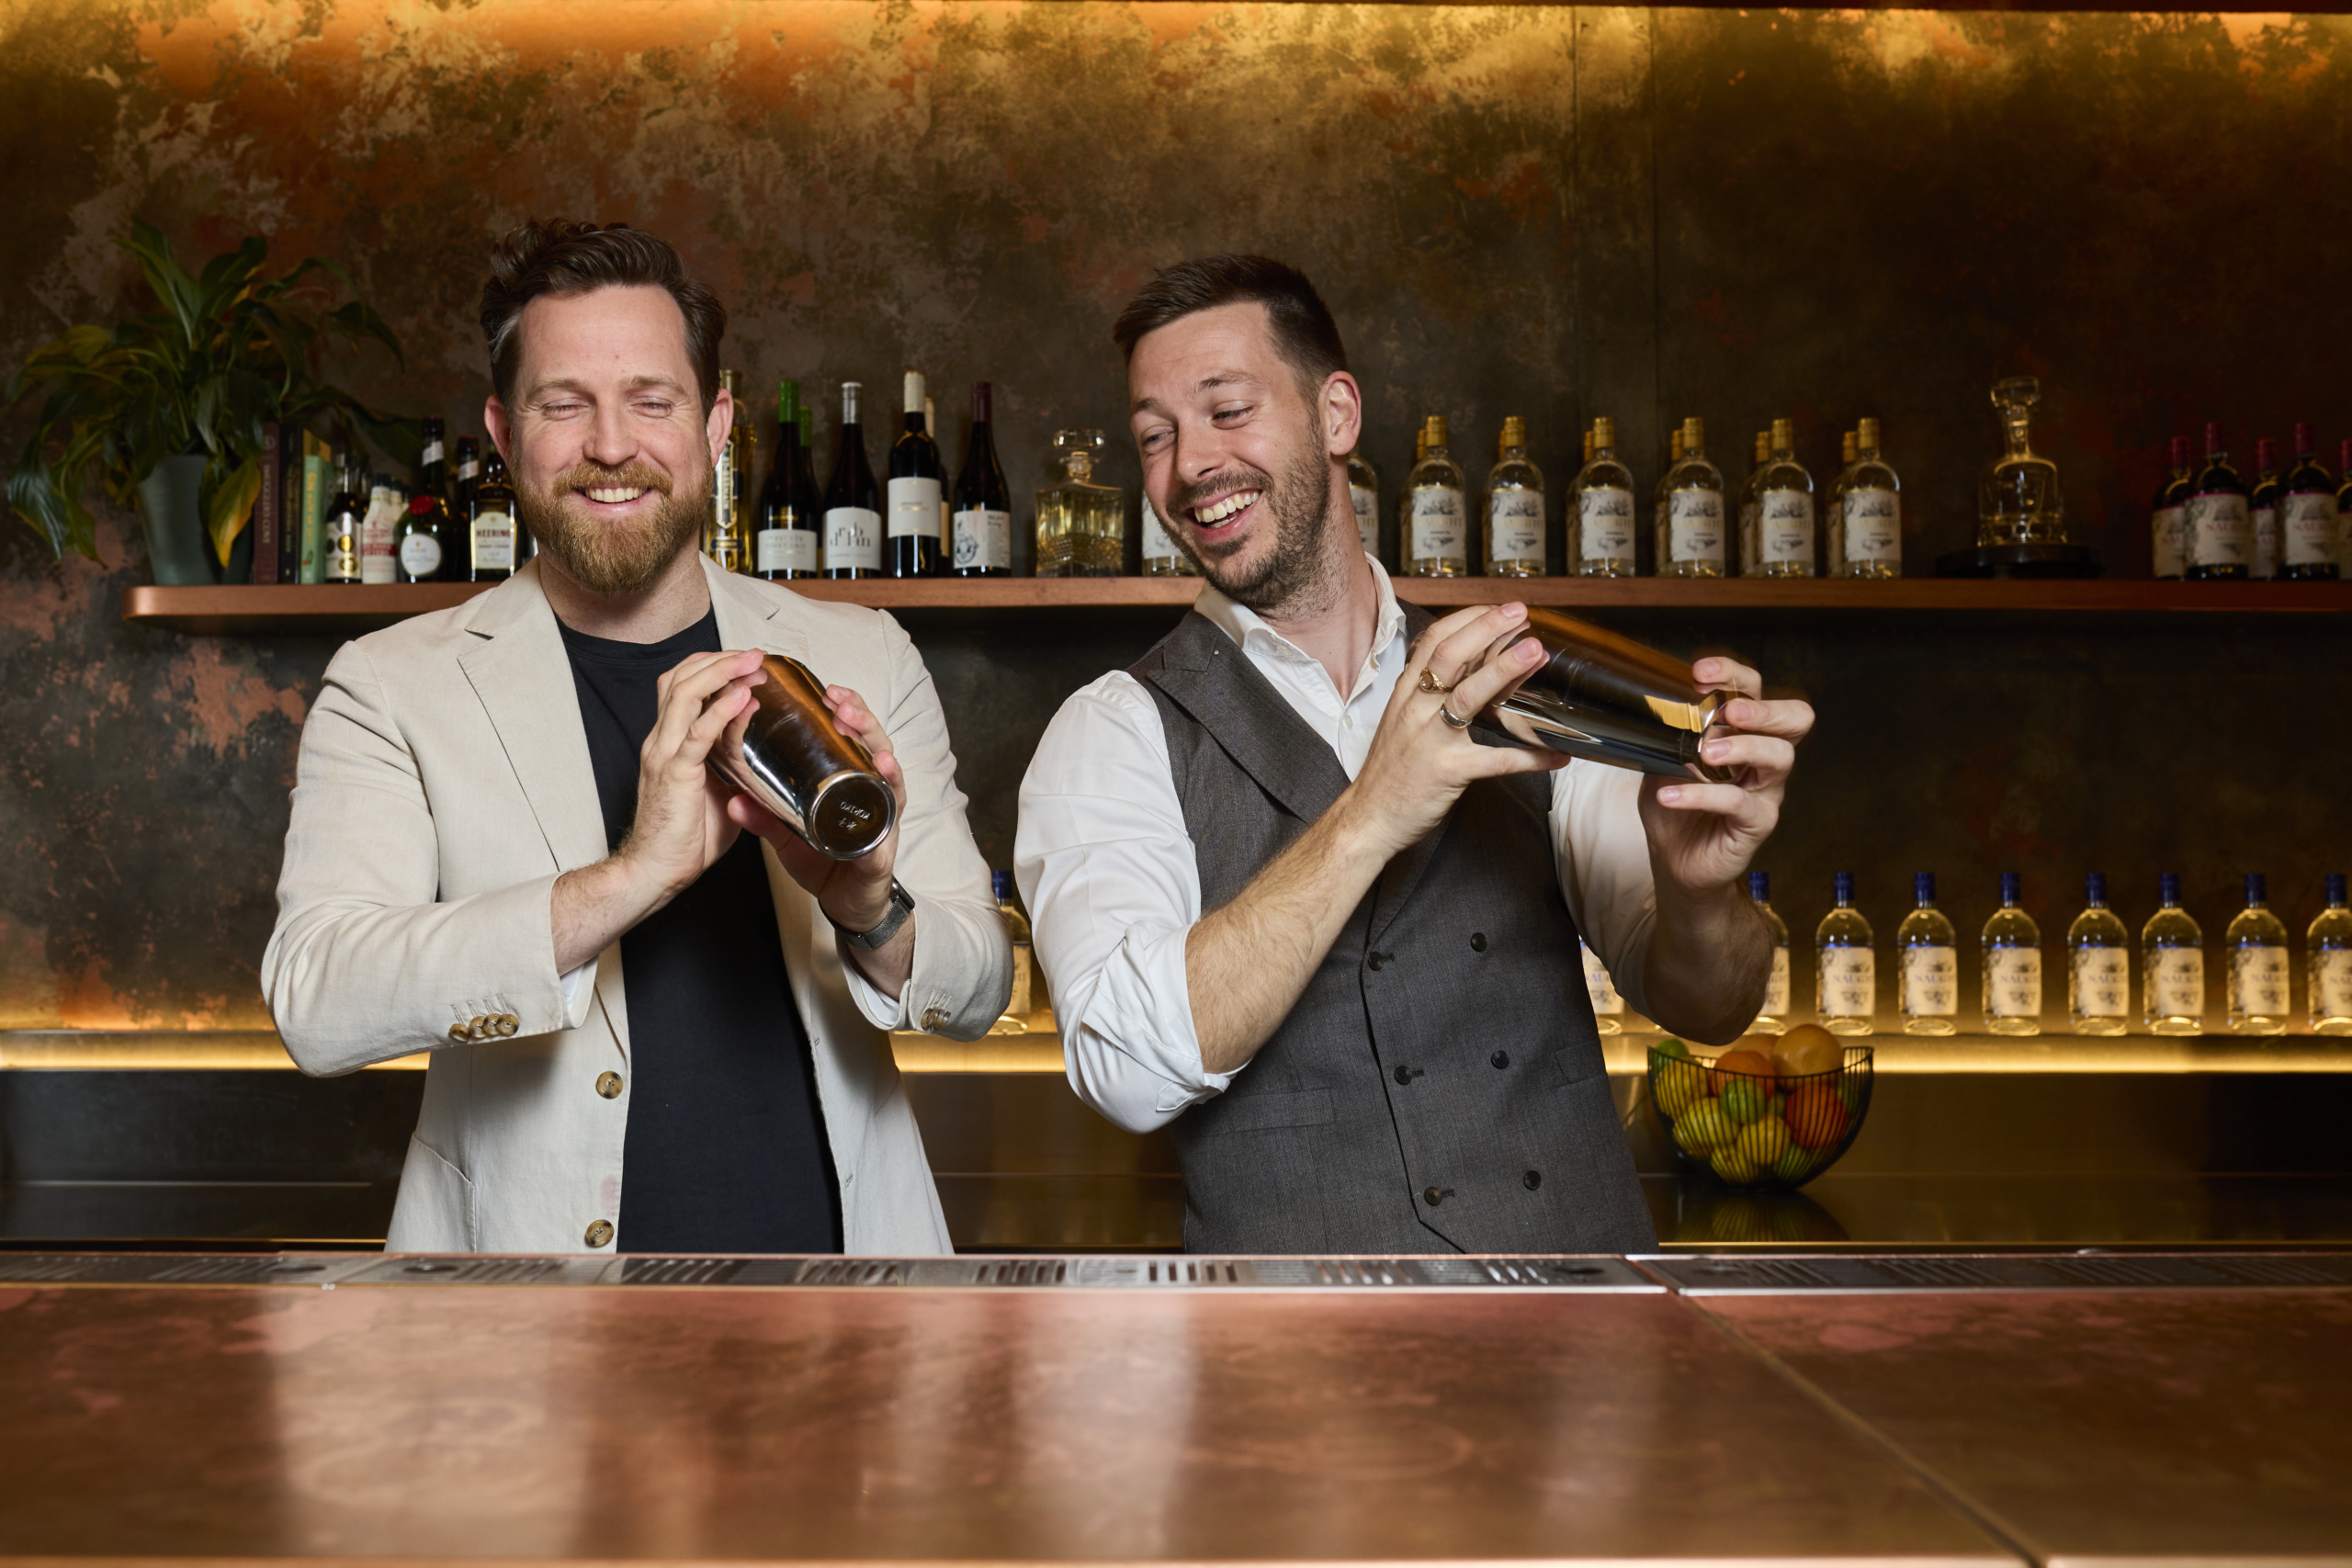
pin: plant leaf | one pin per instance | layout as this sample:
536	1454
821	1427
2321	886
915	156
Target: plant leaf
359	319
172	286
232	506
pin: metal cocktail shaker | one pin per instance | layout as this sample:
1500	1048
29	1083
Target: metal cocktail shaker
1605	698
792	758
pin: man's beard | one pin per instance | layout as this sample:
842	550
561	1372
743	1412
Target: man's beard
617	558
1294	574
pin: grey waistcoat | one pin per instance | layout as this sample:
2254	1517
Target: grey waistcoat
1440	1084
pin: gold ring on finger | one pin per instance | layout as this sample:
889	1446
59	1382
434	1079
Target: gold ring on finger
1445	712
1432	684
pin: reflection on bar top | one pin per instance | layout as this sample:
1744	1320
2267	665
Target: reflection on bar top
1041	1052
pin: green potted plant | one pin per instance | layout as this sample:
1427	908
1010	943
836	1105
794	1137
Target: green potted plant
168	406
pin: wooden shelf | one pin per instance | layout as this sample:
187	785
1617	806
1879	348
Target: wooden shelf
246	611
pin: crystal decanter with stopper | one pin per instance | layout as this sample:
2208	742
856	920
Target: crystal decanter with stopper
2020	514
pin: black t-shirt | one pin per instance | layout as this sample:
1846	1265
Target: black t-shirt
725	1148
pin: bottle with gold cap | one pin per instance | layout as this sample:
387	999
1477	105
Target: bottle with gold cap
1604	536
1872	501
1834	513
1690	518
1363	494
1658	493
1751	560
1587	446
727	535
1784	516
1514	508
1434	521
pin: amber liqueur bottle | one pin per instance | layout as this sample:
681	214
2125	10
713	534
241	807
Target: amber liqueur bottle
420	544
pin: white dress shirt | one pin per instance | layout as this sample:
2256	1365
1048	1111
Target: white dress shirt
1108	872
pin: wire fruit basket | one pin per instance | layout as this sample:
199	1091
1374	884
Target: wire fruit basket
1755	1115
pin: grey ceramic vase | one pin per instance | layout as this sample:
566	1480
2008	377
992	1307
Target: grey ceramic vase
177	548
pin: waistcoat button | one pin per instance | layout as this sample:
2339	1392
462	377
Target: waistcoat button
1433	1196
1501	1058
609	1085
1531	1180
1377	959
1477	941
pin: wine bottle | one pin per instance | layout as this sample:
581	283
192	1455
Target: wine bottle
1514	508
1846	963
2172	965
1363	494
2012	954
1436	535
2328	948
2168	515
791	533
1779	1007
379	525
1784	520
1604	541
490	522
916	478
346	521
1871	506
2263	508
1691	522
726	533
2257	944
983	543
1929	950
2220	528
853	504
420	544
2344	509
2307	519
2098	965
1018	1007
468	473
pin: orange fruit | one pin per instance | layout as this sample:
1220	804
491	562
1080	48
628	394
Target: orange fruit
1807	1049
1817	1119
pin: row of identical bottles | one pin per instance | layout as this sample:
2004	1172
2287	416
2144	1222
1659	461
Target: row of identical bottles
2209	524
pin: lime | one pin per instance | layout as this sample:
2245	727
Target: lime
1733	1166
1764	1142
1670	1047
1745	1100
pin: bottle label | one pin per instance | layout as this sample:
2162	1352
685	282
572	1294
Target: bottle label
1930	982
1694	527
375	531
1366	501
2332	983
1515	525
1874	526
2177	982
432	452
1605	525
1778	1003
1849	982
722	488
493	541
2259	981
1784	525
2266	542
1606	1002
2102	978
852	538
2013	982
914	508
2221	531
420	554
2310	530
785	549
984	539
2166	529
1437	530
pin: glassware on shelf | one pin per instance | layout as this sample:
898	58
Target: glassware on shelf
2264	566
2172	965
2328	947
1869	504
1434	524
1081	525
2255	942
1751	489
1926	946
1691	512
1608	1003
1022	1003
2098	965
1833	514
1604	533
1846	963
2018	502
1785	513
2218	537
1778	1010
1160	556
2168	514
1514	508
1363	494
2309	524
2012	964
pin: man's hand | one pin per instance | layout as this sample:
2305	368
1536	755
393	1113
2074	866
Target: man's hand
1702	836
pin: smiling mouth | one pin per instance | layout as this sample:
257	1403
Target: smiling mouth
614	495
1225	508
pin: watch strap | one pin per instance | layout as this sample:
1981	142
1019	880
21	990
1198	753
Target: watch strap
902	904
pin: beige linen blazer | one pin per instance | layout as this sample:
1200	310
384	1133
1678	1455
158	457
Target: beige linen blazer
444	784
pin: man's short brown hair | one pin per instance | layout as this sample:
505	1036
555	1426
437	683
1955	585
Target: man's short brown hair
1304	334
563	257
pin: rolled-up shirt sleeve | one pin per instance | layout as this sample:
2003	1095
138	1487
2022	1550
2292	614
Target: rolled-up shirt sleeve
1107	870
1603	858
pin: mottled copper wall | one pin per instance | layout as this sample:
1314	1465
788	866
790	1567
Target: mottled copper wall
1543	210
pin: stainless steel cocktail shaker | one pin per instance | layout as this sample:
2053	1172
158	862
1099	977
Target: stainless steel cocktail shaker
1605	698
793	759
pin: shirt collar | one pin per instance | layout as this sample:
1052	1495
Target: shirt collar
1248	629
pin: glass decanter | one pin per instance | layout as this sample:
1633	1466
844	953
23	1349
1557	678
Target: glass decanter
2018	501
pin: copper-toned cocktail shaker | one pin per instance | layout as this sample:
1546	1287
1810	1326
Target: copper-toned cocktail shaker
792	758
1605	698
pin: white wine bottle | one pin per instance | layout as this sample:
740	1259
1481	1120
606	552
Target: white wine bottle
1929	950
1434	522
1690	518
2172	965
1778	1010
2012	954
1604	541
1846	972
2257	944
1514	508
2098	965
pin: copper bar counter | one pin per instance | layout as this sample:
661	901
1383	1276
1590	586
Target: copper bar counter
1956	1409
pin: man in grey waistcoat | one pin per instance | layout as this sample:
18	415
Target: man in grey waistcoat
1286	903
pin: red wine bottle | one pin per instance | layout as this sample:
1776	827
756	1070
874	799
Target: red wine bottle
786	544
2263	563
853	505
2168	515
2221	523
917	476
2308	518
983	524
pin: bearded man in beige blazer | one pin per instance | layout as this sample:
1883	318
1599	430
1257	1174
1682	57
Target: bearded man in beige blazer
658	1020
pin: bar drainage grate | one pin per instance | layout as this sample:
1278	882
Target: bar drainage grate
2003	1271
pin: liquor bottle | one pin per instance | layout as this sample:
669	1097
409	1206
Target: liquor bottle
2263	508
468	473
1081	525
983	515
792	533
2309	524
911	546
1587	450
1752	490
2344	510
346	519
852	504
1604	542
1833	510
2098	965
1929	952
946	522
2168	515
490	522
420	544
2172	965
1608	1002
1514	508
2256	943
379	525
2018	501
2328	946
807	475
1363	494
1779	1008
727	530
1871	502
1846	971
1162	558
1023	999
1432	520
1658	501
1691	527
1784	509
2012	950
2218	533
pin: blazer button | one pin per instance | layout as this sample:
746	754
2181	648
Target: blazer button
1477	941
475	1025
599	1232
457	1032
508	1024
1531	1180
934	1017
1501	1059
609	1085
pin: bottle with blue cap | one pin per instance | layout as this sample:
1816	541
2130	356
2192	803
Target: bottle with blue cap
1779	1005
1846	967
2098	965
2257	944
1929	986
2172	965
1022	1003
2012	964
2330	975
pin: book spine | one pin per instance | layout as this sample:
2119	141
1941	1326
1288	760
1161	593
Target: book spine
289	506
268	505
315	508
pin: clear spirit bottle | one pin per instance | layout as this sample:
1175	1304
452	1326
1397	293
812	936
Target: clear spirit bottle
1929	950
727	536
1363	494
1834	512
1604	509
1784	519
1845	969
2256	943
2328	946
2308	522
2218	541
1779	1008
1658	500
1608	1002
2344	509
1160	556
2098	965
1081	525
1434	521
1022	1001
1690	518
1871	502
2172	965
2012	954
2168	515
2264	505
1514	508
1751	489
2019	503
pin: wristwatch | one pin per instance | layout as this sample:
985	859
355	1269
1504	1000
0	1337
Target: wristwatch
902	904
